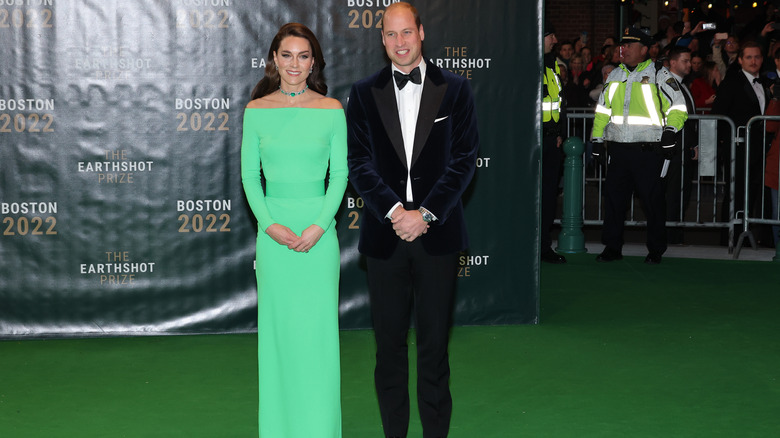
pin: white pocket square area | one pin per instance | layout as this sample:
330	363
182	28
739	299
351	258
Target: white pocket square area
440	119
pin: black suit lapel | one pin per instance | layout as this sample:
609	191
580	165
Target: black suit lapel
434	88
688	99
384	95
750	92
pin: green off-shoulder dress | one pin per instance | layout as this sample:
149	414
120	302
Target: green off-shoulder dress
297	315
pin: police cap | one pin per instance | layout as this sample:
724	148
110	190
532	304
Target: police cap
634	35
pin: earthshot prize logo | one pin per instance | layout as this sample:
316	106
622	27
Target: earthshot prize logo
116	167
117	269
467	264
458	60
106	62
100	58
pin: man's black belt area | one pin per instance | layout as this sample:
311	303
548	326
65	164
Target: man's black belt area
551	130
636	146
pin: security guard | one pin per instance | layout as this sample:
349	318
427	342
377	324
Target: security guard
553	127
638	113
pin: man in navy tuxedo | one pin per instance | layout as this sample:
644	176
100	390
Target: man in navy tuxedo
412	135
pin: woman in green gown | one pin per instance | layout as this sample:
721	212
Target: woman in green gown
294	135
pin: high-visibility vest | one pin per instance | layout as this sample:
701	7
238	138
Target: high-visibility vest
551	103
638	104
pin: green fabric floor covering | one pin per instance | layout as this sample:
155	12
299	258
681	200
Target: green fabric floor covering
688	348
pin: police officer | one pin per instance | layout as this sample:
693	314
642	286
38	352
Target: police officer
553	131
681	167
638	113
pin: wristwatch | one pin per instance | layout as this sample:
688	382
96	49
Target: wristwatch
426	215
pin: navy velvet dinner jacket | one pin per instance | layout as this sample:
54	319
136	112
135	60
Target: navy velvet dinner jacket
443	159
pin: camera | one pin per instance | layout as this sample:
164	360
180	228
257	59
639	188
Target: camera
708	26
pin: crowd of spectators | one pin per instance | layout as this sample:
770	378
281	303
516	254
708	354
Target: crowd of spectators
714	43
714	49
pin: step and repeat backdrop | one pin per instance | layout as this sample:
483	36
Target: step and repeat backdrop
121	206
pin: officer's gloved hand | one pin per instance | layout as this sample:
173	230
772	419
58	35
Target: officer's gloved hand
599	152
668	145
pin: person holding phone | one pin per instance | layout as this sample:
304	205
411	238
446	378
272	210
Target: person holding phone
689	36
725	51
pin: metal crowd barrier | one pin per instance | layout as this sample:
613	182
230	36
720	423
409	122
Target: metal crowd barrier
762	211
707	179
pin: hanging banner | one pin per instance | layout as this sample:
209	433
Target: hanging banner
121	204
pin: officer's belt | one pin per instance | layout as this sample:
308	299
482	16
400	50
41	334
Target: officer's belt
643	146
551	129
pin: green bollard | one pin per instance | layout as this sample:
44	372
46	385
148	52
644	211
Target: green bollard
571	240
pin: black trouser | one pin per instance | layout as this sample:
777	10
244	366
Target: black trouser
634	168
551	178
412	278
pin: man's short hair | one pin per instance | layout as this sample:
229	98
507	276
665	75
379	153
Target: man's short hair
748	45
411	9
676	51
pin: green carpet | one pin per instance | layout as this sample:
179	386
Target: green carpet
688	348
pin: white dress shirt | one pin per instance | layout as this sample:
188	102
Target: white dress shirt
684	90
408	101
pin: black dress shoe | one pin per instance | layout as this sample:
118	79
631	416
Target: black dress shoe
551	256
653	258
609	255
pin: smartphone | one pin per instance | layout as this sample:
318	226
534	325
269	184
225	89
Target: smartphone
775	26
722	36
708	26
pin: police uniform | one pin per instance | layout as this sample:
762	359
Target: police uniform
553	126
638	113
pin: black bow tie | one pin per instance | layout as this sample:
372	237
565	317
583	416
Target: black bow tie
401	79
755	80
